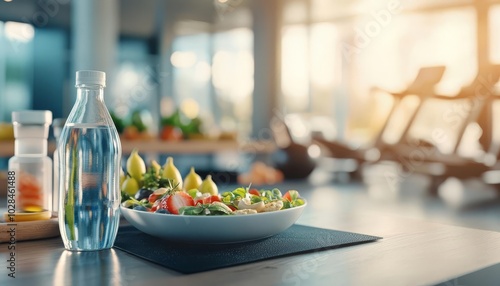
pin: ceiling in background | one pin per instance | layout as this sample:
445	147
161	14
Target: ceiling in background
137	18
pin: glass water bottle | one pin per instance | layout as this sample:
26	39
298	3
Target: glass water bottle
89	154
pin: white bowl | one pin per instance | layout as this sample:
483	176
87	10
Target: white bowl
213	229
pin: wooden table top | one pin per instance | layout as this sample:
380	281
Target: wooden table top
412	252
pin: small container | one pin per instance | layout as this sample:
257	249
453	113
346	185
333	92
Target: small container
30	168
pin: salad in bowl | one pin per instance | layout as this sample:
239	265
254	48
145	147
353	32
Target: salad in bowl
192	210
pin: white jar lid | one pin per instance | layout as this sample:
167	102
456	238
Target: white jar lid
90	77
32	117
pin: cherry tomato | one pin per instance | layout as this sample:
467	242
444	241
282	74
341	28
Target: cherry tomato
206	199
291	195
201	200
214	198
254	192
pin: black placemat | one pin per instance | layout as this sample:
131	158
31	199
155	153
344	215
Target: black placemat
192	258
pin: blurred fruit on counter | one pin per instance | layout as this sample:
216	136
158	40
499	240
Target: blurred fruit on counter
178	126
171	133
131	133
261	174
175	127
6	131
135	127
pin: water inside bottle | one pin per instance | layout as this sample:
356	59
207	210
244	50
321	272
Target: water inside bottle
90	194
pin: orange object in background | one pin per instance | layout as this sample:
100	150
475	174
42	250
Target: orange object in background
29	194
171	133
261	174
132	133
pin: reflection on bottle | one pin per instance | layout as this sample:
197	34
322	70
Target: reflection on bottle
57	126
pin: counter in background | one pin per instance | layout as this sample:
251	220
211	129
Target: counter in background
155	146
174	147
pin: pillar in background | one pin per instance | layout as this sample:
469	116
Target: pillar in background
267	46
95	31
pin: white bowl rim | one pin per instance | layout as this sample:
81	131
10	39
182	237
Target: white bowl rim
207	217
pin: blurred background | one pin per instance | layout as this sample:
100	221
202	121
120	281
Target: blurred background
353	88
235	57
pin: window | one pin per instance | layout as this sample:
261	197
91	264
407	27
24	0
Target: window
213	74
325	72
137	84
232	78
392	57
294	69
334	53
191	69
494	36
16	72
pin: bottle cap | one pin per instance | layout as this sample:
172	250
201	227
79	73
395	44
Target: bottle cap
41	117
91	77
